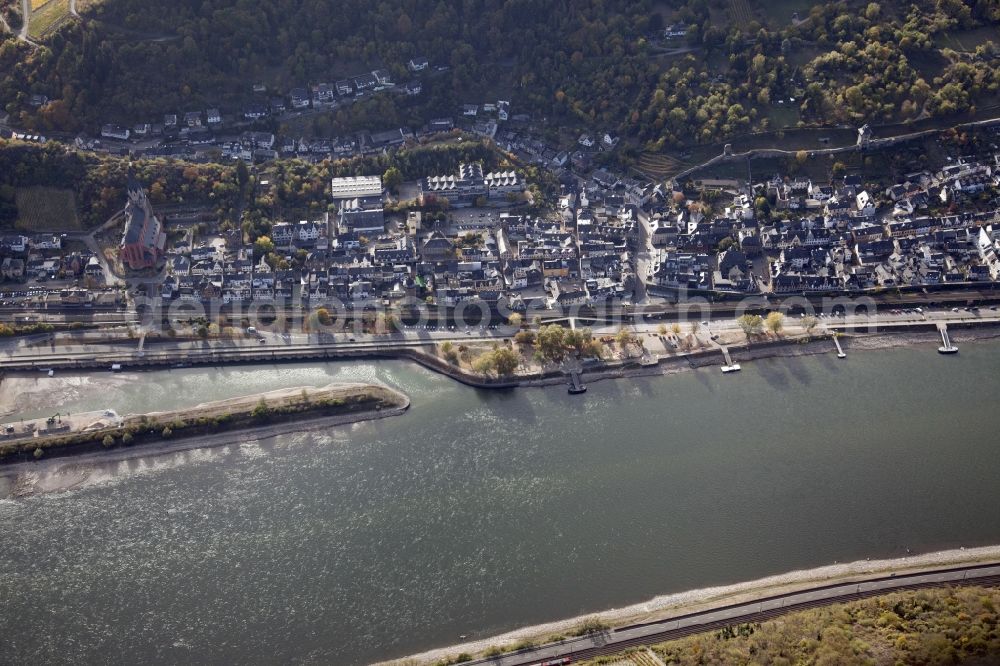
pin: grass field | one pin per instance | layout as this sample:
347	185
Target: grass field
778	13
740	12
46	209
968	40
784	115
48	18
659	166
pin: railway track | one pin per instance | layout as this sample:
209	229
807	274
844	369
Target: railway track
613	642
762	616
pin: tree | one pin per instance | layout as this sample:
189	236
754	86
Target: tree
675	328
661	330
261	412
323	317
167	433
751	324
484	364
392	179
524	338
775	322
624	339
108	441
449	353
551	342
505	361
515	320
262	247
127	438
809	323
242	174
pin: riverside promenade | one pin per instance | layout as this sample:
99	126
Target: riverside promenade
165	354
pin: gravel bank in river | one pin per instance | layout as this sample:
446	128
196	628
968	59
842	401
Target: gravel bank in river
62	473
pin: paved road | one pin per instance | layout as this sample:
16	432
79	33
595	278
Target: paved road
883	320
616	640
24	355
25	18
61	353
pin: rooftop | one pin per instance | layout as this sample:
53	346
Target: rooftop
353	187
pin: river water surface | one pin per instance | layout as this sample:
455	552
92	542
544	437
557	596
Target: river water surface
478	512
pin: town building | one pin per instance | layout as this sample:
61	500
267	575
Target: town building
143	241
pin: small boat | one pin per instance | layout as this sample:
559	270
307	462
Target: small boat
841	355
577	390
116	367
735	367
51	372
948	350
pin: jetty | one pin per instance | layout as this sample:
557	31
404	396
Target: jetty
729	366
576	385
946	346
840	350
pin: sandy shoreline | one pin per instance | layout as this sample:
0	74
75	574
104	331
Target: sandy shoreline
669	605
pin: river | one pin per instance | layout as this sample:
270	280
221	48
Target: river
478	512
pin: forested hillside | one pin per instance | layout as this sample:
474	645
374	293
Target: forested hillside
296	187
133	59
598	64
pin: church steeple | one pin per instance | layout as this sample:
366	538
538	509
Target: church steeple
135	192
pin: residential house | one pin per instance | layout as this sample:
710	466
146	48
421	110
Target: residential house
255	111
299	98
115	132
364	83
675	30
